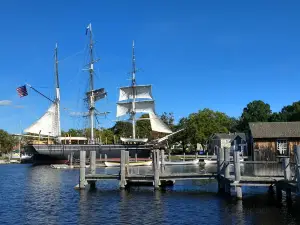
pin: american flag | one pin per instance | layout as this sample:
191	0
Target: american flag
22	91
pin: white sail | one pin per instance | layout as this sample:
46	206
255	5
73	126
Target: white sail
47	124
158	125
141	91
140	107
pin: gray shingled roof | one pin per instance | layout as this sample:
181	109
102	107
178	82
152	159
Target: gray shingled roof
275	129
230	135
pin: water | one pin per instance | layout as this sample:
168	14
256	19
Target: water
41	195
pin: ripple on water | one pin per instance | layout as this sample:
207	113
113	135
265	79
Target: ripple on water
41	195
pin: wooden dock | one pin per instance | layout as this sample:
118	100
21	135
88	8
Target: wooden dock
226	181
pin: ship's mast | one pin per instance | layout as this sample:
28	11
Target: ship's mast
133	83
91	72
57	100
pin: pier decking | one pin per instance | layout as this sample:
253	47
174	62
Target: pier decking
282	178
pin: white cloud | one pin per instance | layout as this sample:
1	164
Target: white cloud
5	102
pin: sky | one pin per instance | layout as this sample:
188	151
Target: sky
197	54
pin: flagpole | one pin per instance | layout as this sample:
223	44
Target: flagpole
40	93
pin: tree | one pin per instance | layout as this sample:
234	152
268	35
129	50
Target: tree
107	135
277	117
291	112
168	119
122	129
143	127
255	111
201	125
183	136
7	142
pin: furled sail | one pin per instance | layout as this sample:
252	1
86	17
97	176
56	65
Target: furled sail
98	94
124	108
158	125
47	124
141	91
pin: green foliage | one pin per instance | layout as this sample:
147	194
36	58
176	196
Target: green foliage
255	111
291	112
168	119
143	127
7	141
201	125
73	133
107	135
122	129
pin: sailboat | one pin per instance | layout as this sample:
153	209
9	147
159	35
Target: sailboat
135	99
51	147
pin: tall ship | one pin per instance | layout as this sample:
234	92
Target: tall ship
50	147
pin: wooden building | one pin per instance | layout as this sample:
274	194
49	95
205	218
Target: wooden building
276	137
227	140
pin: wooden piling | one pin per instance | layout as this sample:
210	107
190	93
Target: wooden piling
237	171
93	162
162	160
136	159
220	160
127	162
122	170
105	157
169	155
226	163
82	182
226	170
287	169
71	160
220	164
156	169
100	158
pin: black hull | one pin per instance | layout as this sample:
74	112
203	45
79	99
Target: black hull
53	154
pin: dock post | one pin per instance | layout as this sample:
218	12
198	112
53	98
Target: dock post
169	155
82	170
237	171
287	169
136	159
93	162
127	162
92	168
105	157
162	160
71	160
226	170
156	169
122	170
100	158
220	164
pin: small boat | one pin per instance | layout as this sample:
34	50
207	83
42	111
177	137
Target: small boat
116	164
188	162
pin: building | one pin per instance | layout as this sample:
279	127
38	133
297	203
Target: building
227	140
276	137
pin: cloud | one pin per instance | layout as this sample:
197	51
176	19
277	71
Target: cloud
5	102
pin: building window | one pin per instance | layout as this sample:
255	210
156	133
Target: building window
282	146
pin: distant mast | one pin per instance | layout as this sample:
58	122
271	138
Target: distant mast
57	91
133	83
91	72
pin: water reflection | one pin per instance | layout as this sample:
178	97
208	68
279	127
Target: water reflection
41	195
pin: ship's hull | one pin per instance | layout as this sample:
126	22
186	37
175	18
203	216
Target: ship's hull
51	154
